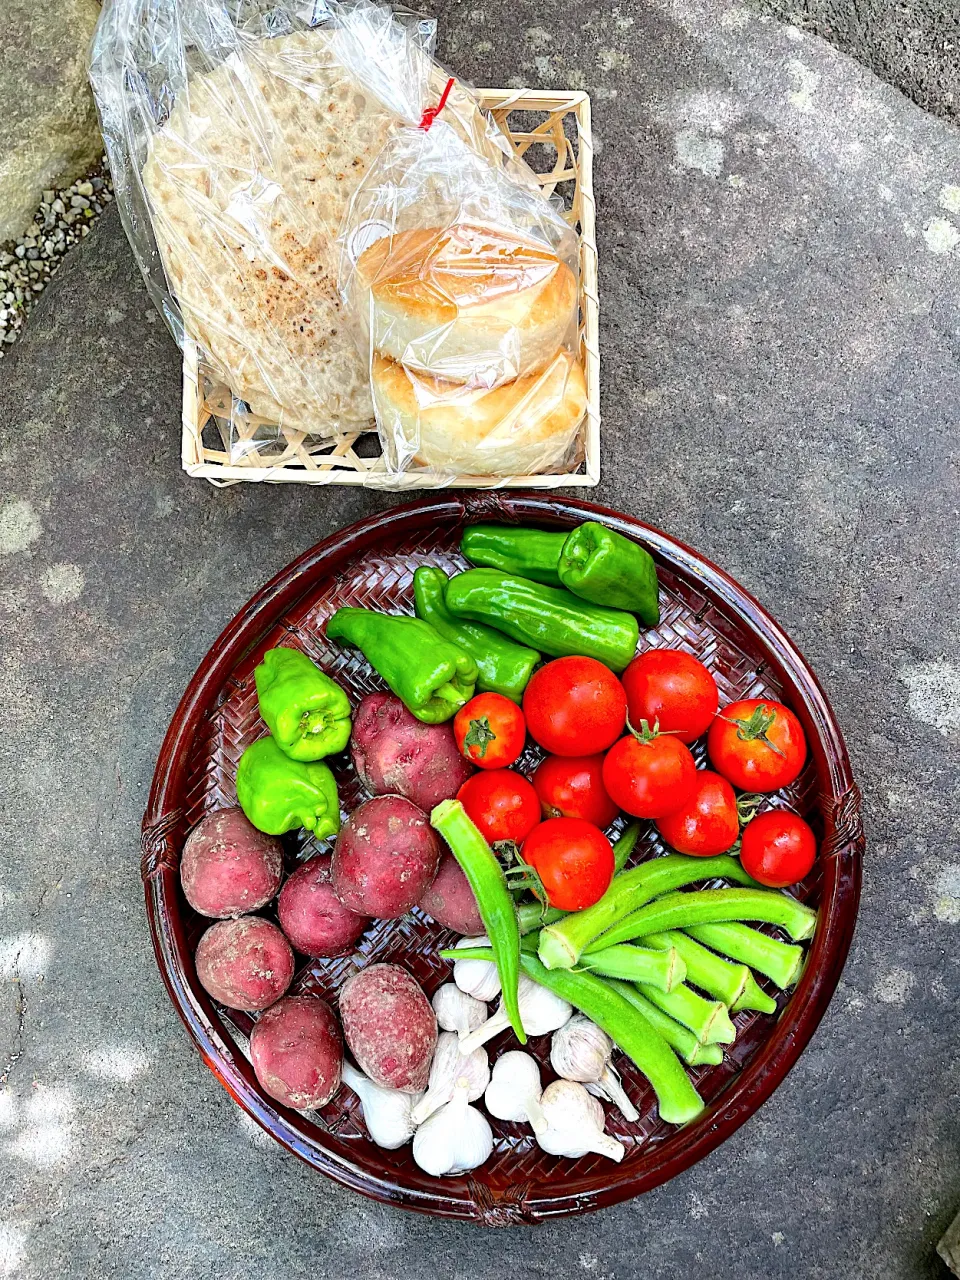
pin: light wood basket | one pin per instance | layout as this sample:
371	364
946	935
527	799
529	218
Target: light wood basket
213	421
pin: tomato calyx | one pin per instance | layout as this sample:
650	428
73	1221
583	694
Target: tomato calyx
521	876
747	805
646	733
755	727
480	735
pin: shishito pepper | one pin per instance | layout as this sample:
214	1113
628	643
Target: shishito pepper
279	794
307	713
548	618
601	565
525	553
431	676
502	666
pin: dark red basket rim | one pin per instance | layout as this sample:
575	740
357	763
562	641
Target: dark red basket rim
841	853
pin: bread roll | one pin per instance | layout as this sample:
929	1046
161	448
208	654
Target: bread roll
467	303
518	428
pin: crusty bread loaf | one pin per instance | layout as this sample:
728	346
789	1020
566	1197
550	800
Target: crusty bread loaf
467	303
518	428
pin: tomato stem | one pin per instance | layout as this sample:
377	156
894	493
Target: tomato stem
479	735
754	727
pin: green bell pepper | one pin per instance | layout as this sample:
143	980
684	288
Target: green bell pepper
503	667
603	566
279	794
307	713
431	676
524	553
551	619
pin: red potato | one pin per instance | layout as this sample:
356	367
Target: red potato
297	1052
396	754
389	1026
228	867
385	857
244	964
450	901
312	916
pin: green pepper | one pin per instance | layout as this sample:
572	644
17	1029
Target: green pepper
494	901
547	618
524	553
307	713
503	667
279	794
431	676
603	566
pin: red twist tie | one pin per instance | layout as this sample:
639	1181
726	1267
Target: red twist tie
431	113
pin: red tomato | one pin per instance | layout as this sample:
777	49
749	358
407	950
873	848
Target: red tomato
673	689
572	787
778	848
490	730
502	804
707	822
648	774
575	706
573	859
757	744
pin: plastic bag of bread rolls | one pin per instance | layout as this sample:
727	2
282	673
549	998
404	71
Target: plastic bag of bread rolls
459	278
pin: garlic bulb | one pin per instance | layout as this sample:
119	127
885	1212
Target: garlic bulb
455	1139
457	1011
581	1051
574	1123
448	1067
478	978
387	1113
540	1012
514	1090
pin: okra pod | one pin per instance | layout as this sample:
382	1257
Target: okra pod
707	1019
624	846
707	906
718	978
779	961
754	997
660	967
562	942
680	1038
494	902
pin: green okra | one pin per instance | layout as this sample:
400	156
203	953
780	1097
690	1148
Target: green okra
707	1019
709	906
717	977
781	962
680	1038
661	968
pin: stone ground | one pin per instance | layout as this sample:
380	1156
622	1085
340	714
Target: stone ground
781	339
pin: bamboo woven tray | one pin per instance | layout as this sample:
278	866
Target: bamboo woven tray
552	131
371	563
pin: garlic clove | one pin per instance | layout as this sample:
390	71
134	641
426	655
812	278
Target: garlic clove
448	1066
478	978
387	1113
514	1090
456	1010
455	1139
575	1123
580	1050
540	1012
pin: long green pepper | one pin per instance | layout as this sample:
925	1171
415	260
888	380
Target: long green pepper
494	901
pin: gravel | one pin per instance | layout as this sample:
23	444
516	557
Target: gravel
27	264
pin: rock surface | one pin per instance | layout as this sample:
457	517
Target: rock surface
781	346
48	125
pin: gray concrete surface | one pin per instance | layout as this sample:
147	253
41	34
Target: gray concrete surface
781	340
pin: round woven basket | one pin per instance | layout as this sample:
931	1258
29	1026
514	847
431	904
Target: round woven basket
371	563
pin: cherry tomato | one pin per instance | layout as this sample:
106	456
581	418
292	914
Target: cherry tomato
778	848
707	822
573	859
649	774
503	804
490	730
575	706
757	744
572	787
673	689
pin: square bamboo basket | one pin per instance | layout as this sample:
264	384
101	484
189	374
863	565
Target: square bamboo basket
562	138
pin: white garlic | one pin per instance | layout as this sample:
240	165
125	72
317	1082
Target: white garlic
581	1051
457	1011
514	1090
574	1123
448	1067
540	1012
387	1113
478	978
455	1139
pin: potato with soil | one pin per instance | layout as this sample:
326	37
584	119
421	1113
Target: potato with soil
312	916
389	1026
228	867
450	901
396	754
245	963
385	857
297	1052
